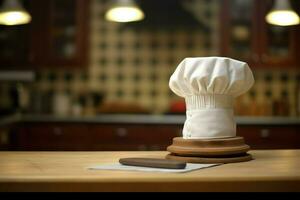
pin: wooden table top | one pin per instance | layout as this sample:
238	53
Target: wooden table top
271	170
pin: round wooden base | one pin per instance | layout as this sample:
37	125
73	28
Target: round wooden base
221	150
210	160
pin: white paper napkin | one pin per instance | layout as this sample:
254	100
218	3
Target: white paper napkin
118	166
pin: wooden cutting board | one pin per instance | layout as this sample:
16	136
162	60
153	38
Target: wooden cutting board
208	147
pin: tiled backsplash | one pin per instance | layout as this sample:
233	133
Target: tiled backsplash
275	92
132	66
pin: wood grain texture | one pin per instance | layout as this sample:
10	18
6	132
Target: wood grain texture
271	170
208	147
210	160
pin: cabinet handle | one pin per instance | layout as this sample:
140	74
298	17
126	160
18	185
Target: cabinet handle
4	138
255	58
264	58
57	131
121	132
142	147
31	57
264	133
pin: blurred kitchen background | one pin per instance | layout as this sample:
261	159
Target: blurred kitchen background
71	78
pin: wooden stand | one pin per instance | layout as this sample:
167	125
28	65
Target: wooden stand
222	150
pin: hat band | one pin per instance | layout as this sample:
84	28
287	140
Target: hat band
209	123
205	101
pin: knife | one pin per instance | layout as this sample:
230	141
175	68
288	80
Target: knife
153	162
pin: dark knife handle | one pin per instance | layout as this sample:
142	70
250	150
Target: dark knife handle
153	162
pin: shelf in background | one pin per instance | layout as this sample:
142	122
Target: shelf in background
141	119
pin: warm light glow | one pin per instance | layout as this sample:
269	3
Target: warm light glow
124	14
282	14
14	18
283	18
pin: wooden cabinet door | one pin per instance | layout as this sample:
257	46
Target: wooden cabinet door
4	138
94	137
270	137
133	136
279	45
57	36
66	33
15	43
246	36
52	137
239	30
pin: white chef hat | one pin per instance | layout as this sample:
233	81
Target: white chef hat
209	85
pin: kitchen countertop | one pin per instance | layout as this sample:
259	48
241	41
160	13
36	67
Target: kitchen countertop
271	170
142	119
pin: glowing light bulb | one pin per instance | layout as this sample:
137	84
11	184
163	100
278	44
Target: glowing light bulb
14	18
124	11
283	18
282	14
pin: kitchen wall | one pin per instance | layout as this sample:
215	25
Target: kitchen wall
275	93
132	66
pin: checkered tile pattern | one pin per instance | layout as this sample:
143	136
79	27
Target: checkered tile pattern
134	65
275	85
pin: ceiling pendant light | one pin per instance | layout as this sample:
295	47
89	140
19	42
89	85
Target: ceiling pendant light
124	11
13	13
282	14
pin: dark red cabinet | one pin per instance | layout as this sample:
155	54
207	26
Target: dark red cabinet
86	137
245	35
271	137
57	36
127	137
